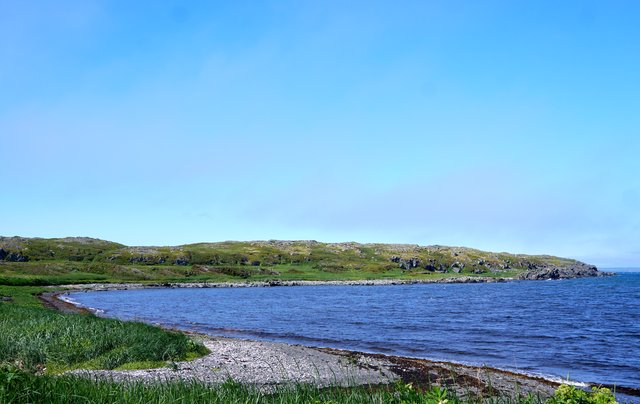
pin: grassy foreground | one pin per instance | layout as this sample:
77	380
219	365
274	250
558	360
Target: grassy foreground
22	388
43	340
19	387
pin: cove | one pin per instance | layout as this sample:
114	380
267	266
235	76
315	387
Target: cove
581	329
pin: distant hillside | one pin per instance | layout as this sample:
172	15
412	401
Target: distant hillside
21	249
272	259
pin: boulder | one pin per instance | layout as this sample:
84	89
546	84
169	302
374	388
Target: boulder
15	257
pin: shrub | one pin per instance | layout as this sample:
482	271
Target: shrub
566	394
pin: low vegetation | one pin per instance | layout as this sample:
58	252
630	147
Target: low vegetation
572	395
41	262
18	387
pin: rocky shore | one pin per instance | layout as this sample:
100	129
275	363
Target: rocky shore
274	283
573	271
264	364
268	364
545	273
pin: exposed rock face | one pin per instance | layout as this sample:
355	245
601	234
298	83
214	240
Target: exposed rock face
181	261
406	264
147	259
578	270
12	256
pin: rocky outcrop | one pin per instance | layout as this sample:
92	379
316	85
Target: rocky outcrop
147	259
181	261
406	264
12	256
578	270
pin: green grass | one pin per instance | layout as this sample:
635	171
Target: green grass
36	339
40	273
66	261
22	295
18	387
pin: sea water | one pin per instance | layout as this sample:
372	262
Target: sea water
581	329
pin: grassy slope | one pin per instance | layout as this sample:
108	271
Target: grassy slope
37	340
82	260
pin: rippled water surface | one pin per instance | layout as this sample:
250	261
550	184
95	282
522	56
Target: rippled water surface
584	329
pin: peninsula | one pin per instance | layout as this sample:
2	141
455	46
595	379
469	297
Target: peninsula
102	357
39	262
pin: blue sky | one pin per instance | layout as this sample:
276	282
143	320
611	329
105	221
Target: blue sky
501	125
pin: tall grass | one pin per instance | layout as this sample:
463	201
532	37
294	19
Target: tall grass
18	387
25	296
37	339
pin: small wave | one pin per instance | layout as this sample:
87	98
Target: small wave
561	380
282	336
68	299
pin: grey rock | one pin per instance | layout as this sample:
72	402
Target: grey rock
410	263
458	265
261	364
14	257
577	270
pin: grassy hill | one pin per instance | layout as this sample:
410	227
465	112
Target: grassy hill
35	340
37	261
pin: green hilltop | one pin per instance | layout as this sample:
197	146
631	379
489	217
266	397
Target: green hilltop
38	261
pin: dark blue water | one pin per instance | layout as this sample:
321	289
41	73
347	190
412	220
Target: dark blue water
583	329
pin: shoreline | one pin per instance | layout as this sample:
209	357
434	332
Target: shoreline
100	286
341	367
96	287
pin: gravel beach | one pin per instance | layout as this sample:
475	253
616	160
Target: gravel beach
264	364
267	364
